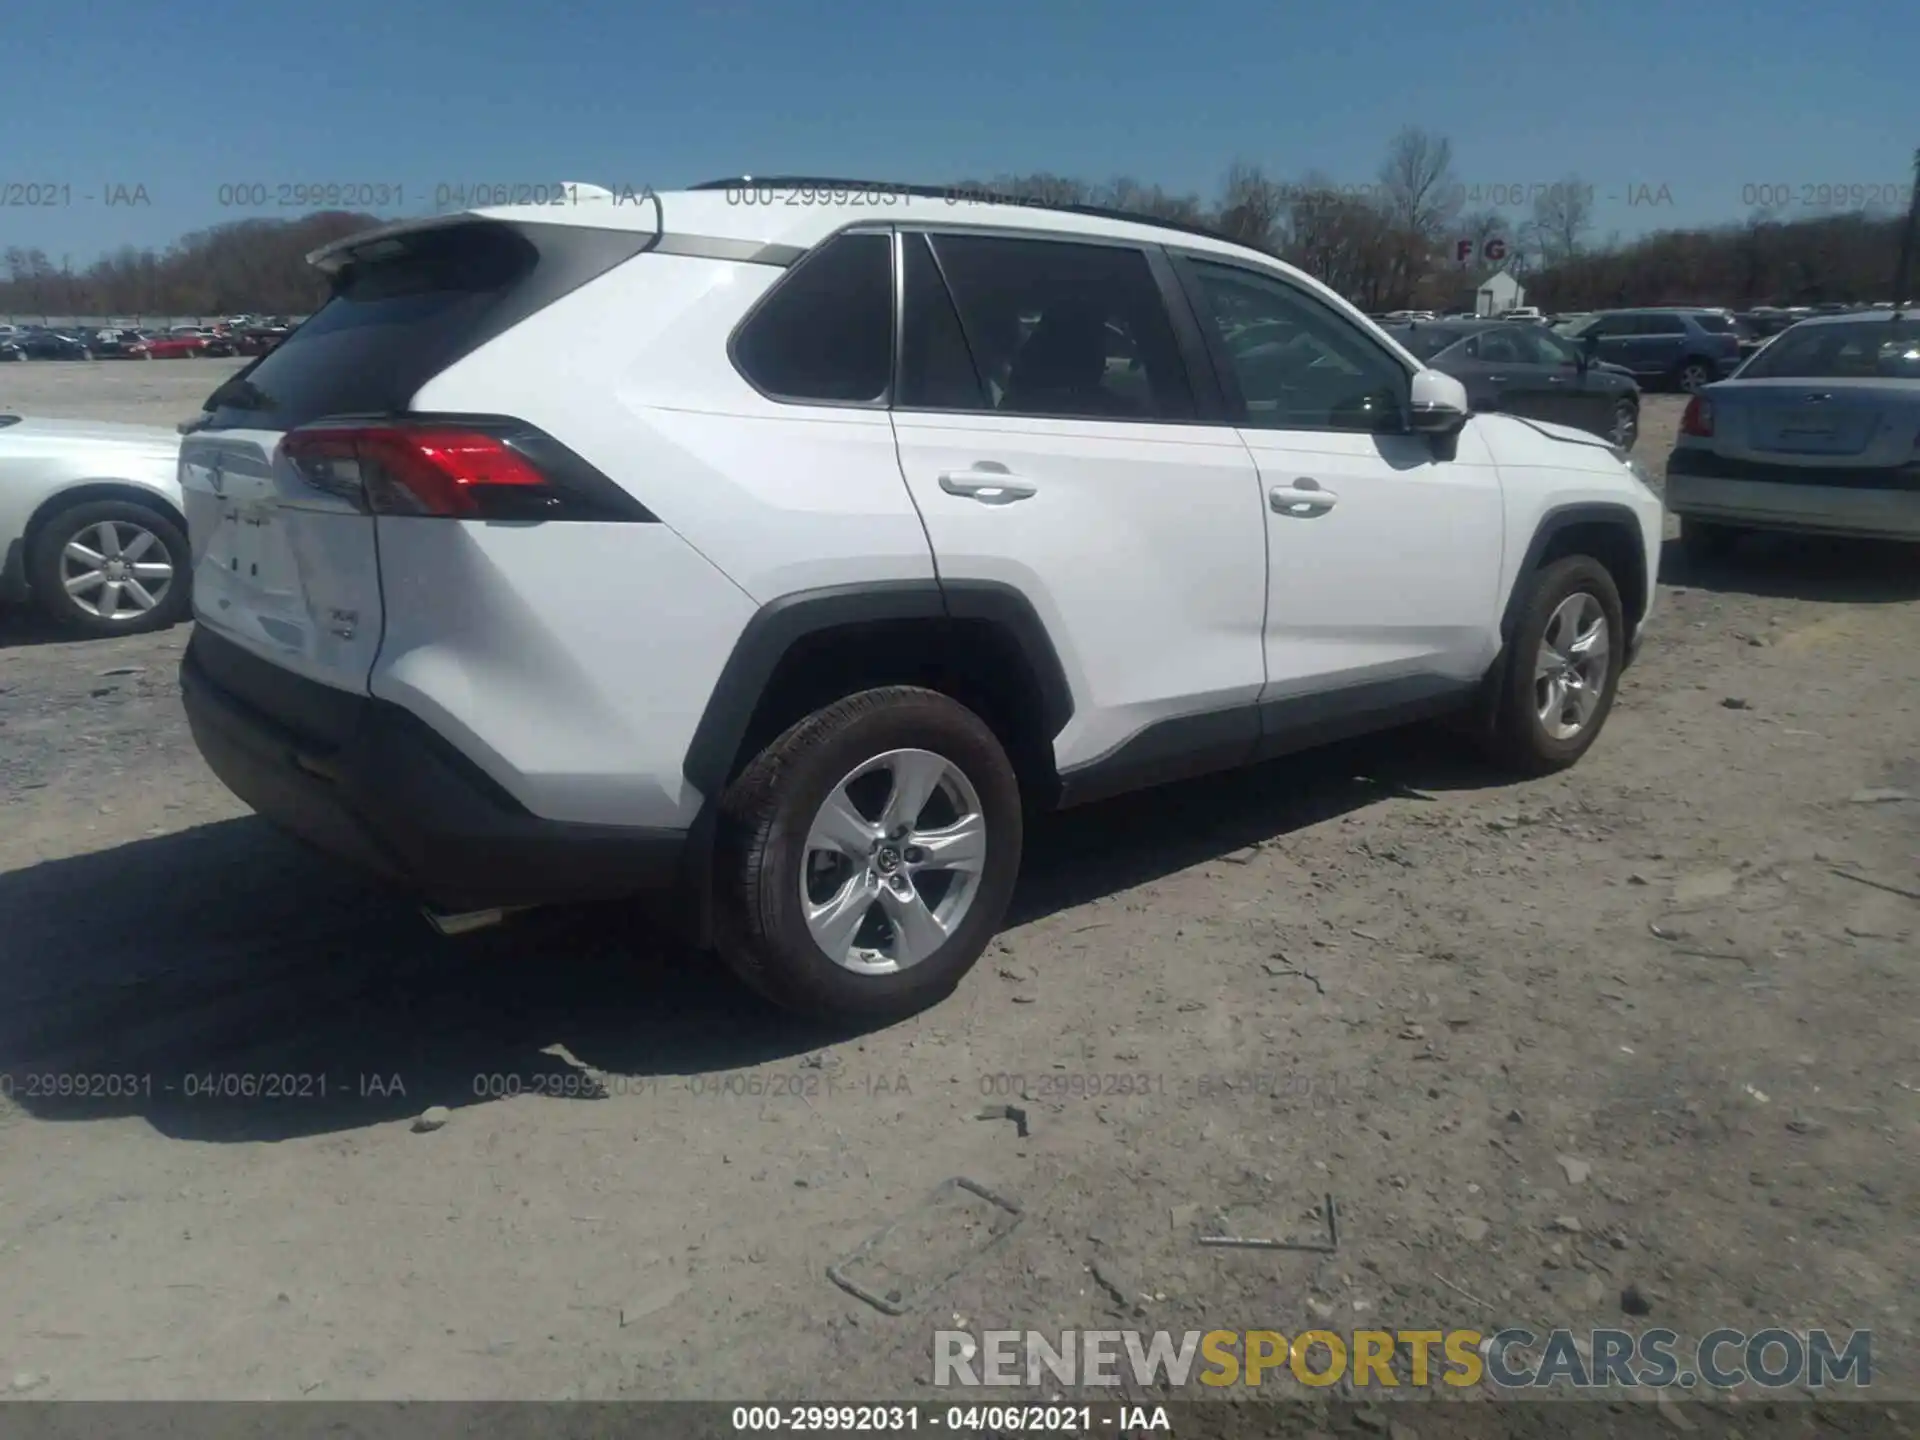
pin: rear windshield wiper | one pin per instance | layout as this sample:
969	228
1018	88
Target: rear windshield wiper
240	394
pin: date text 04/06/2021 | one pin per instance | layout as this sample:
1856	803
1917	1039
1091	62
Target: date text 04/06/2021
199	1085
1106	1418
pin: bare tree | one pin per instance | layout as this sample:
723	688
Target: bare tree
1562	216
1343	239
1421	200
1126	193
1417	185
1251	207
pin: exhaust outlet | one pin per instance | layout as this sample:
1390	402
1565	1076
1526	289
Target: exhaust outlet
465	922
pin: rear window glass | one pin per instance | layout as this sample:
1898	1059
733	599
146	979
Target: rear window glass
1865	350
406	307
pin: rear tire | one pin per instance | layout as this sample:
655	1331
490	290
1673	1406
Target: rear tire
1693	377
1563	667
1626	426
814	856
94	609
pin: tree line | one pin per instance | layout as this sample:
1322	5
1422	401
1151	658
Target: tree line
1390	244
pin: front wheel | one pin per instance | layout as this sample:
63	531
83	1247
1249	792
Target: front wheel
1562	667
867	856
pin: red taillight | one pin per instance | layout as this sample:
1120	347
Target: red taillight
1698	419
409	470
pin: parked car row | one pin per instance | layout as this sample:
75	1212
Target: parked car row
181	342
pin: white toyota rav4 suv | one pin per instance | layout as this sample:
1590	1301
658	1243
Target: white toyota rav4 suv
778	544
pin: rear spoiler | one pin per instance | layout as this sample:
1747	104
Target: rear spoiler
332	258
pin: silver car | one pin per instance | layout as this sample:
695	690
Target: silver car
90	524
1818	432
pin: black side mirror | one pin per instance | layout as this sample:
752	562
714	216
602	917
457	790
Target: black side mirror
1590	344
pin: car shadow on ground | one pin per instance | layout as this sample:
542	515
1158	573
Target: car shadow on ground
21	625
1803	567
226	984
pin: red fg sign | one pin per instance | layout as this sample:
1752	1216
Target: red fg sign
1493	250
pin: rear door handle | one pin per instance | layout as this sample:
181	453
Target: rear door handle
989	487
1303	500
1497	379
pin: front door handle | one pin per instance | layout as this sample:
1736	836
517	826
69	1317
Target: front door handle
1302	500
990	486
1497	379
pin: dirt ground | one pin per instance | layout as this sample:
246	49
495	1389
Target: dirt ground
1649	1023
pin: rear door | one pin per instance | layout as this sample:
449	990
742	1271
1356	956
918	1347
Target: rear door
1616	334
1661	342
1568	392
1051	436
290	571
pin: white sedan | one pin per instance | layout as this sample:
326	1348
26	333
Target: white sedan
91	529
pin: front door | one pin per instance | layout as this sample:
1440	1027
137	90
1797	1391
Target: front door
1385	557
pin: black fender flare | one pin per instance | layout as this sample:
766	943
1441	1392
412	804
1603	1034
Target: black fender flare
780	624
1557	519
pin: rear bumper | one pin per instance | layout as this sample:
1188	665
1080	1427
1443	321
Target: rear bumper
386	793
1819	501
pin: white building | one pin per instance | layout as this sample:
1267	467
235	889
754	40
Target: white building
1498	293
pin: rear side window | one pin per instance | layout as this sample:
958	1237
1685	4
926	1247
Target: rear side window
1660	325
1717	324
403	309
824	333
1066	330
936	368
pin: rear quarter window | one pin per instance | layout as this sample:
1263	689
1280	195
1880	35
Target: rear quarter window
824	333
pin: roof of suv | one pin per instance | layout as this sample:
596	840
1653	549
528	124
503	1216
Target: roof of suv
717	210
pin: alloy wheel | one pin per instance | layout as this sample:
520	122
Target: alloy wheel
1626	425
116	570
1570	670
893	861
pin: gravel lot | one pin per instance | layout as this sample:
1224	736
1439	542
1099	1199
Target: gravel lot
1371	972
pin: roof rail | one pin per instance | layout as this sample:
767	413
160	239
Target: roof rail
956	194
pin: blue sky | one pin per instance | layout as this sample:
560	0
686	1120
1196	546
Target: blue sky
1708	99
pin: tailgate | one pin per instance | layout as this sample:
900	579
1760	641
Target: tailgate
286	565
287	571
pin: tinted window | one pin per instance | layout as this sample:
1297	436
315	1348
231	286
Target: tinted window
936	369
1504	347
825	331
403	309
1717	324
1540	346
1066	330
1857	350
1659	325
1299	365
1424	342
